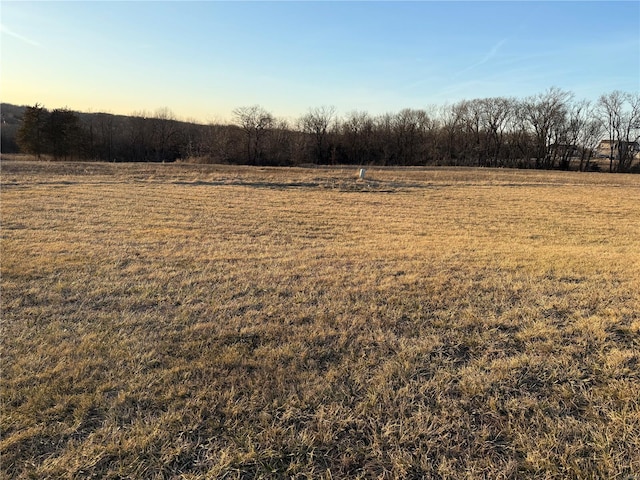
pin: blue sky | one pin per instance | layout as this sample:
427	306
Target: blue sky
203	59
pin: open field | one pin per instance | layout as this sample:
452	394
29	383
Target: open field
183	321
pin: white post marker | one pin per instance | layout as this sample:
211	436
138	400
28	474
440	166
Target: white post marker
361	174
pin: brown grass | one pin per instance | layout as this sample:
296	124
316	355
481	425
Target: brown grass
183	321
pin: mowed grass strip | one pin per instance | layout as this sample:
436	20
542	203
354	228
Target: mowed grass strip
178	321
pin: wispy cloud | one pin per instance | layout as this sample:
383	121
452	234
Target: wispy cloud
439	77
493	52
487	57
22	38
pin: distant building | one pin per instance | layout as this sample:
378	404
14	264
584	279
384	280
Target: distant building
604	148
564	149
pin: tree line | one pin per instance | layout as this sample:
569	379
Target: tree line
550	130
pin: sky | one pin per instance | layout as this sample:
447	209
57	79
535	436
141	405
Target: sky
203	59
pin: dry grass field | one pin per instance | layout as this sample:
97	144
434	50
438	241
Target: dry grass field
183	321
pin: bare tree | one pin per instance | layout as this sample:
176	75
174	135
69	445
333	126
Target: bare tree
409	128
140	135
279	144
628	148
108	133
576	120
224	143
621	119
451	131
318	123
545	114
358	142
590	136
164	128
256	123
498	114
384	135
610	107
473	125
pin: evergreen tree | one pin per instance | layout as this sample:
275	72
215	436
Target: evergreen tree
32	134
64	132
